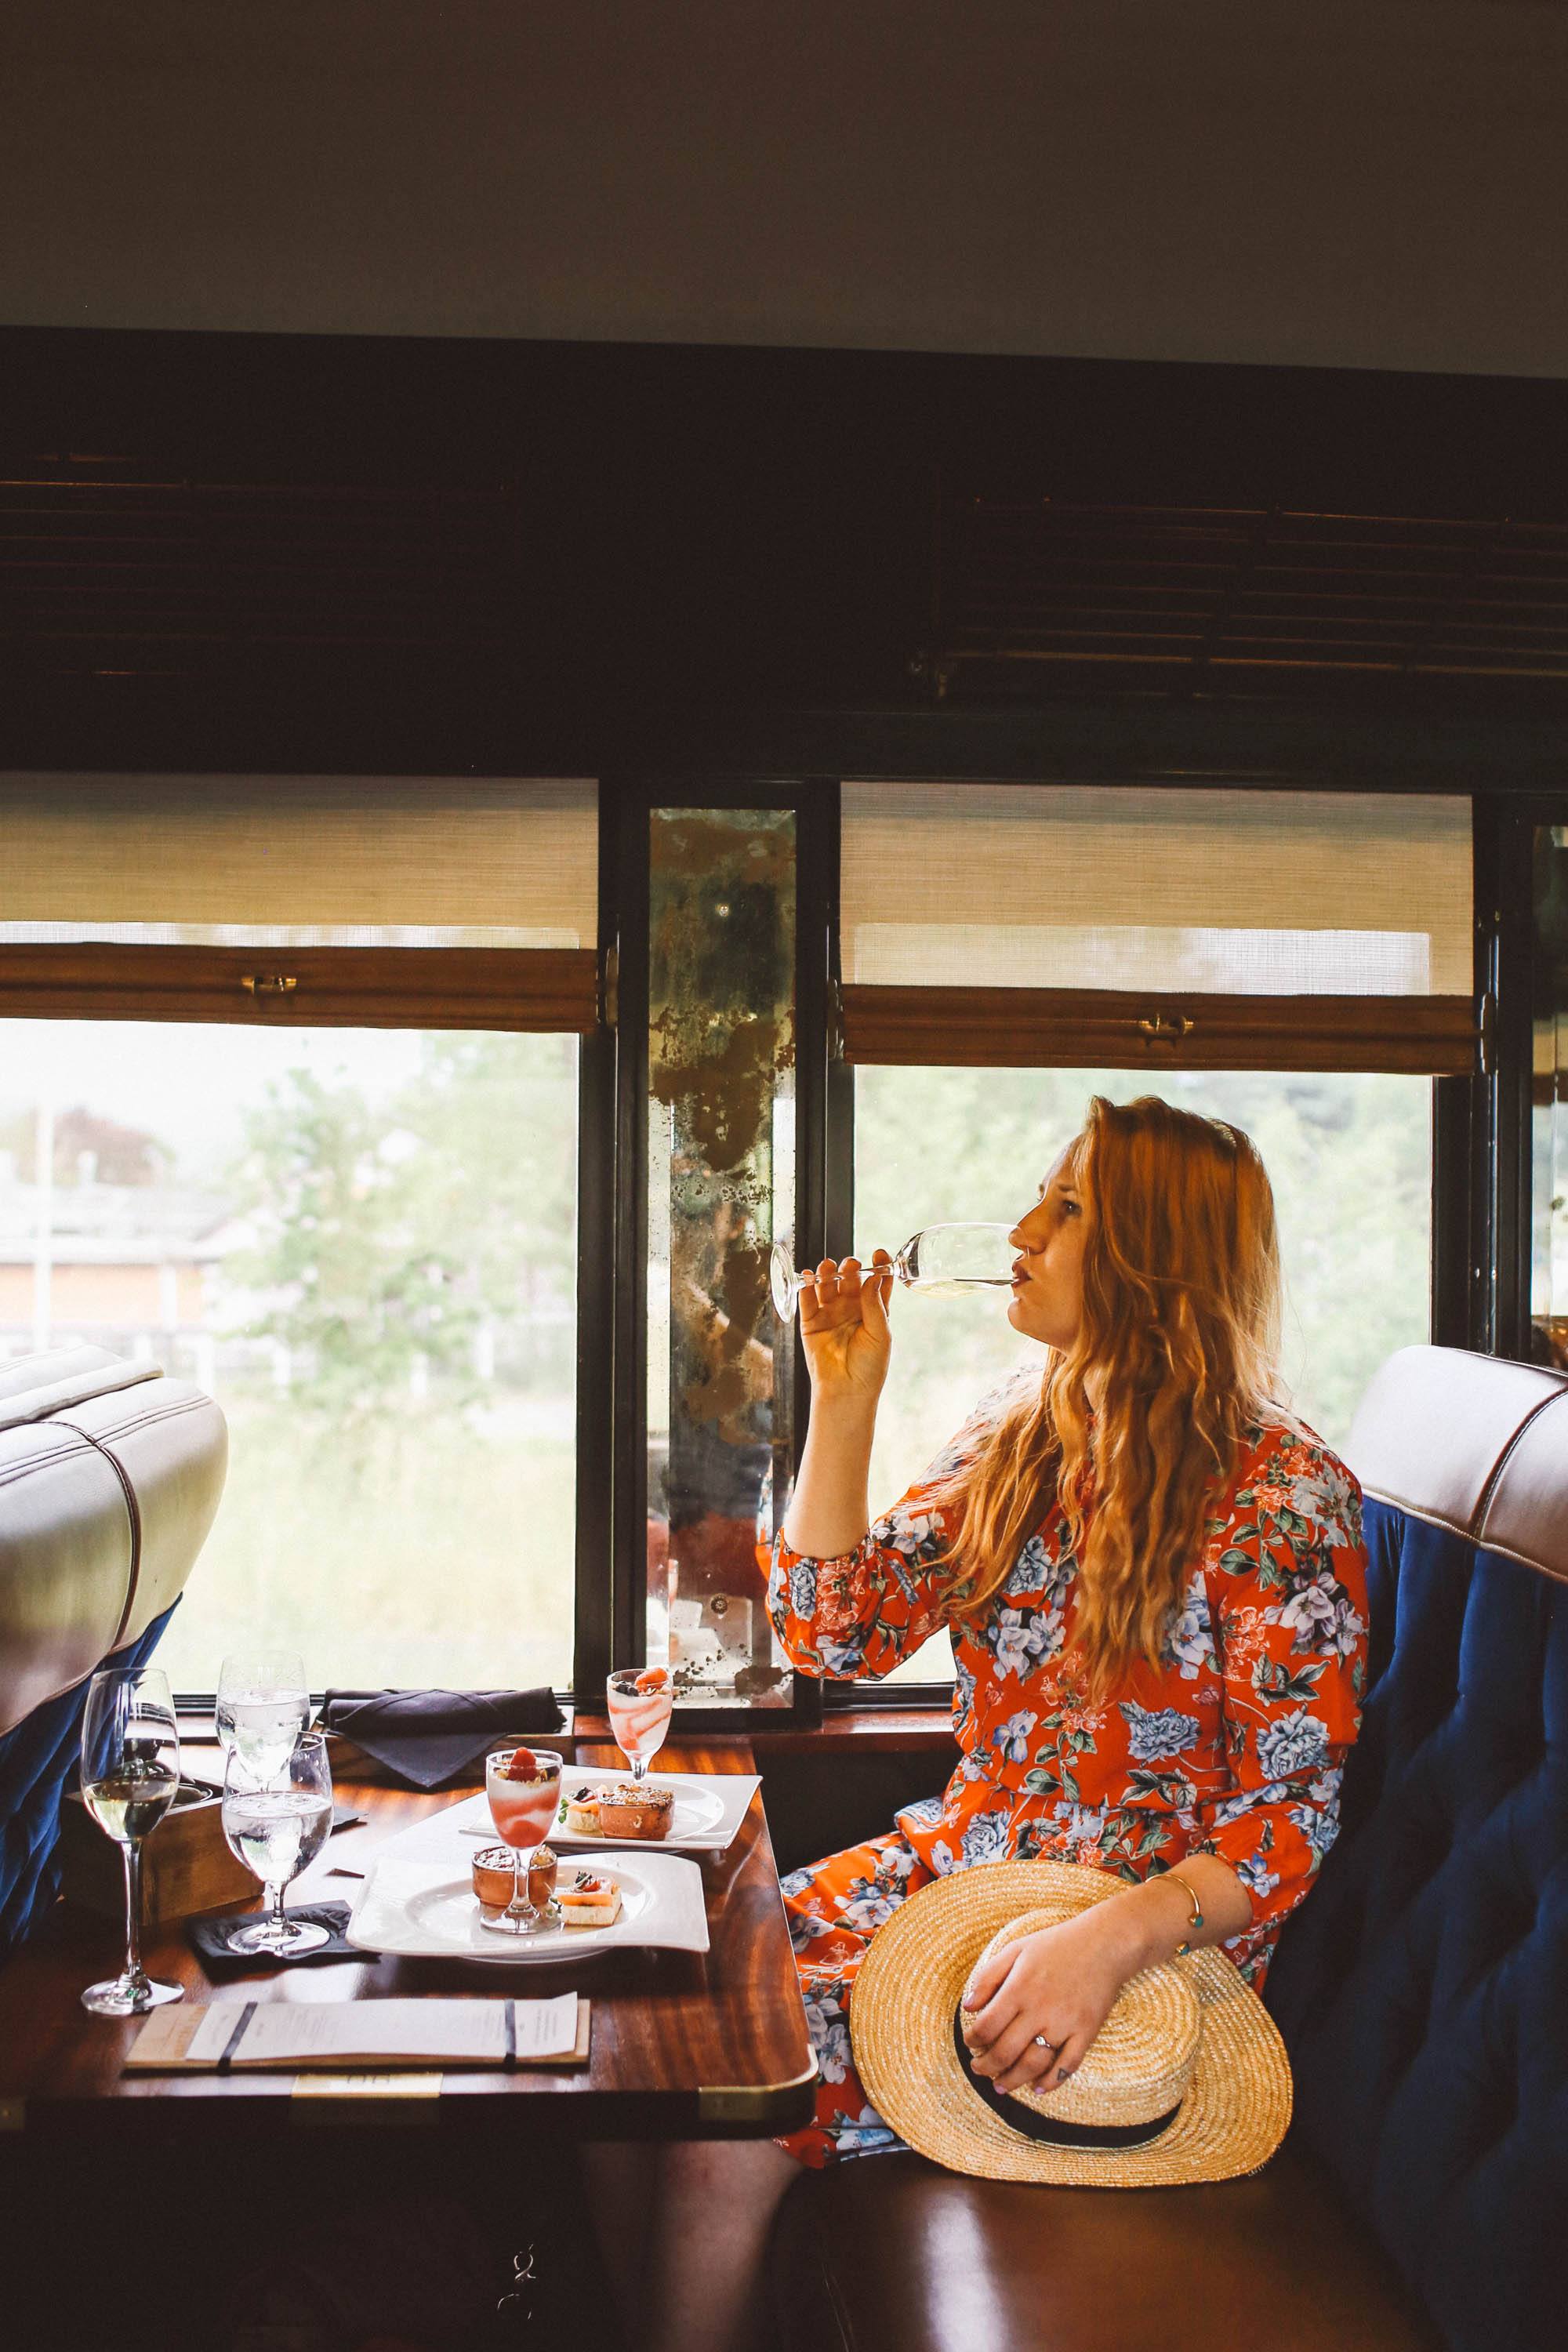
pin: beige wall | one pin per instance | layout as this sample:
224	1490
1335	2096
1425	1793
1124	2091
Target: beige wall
130	1296
1361	183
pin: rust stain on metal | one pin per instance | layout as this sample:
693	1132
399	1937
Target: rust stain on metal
722	1084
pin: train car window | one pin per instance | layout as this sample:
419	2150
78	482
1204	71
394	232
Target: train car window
1299	964
335	1182
1349	1155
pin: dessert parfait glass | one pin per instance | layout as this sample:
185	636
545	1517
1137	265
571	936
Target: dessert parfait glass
524	1786
640	1700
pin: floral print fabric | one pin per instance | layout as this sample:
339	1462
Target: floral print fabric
1233	1745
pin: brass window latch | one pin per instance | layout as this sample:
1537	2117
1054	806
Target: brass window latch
269	983
1160	1025
1485	1032
835	1020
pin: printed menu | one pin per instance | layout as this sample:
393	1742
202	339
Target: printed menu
232	2035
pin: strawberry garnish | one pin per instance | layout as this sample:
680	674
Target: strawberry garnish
524	1765
653	1678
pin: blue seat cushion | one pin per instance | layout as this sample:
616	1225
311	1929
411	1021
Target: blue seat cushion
36	1758
1423	1989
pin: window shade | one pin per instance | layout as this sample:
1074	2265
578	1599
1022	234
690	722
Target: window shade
300	861
378	901
1224	929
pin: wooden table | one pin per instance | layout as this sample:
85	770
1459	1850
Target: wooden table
685	2045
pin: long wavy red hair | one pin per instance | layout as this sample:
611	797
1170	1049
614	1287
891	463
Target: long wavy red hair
1181	1327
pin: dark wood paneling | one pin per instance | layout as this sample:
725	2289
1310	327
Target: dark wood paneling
920	1731
387	552
1044	595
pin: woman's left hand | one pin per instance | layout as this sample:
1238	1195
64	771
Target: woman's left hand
1060	1982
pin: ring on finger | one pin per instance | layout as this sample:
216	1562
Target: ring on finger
1042	2042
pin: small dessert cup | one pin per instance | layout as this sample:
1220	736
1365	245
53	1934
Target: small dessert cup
517	1897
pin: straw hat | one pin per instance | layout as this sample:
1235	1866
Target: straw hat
1186	2080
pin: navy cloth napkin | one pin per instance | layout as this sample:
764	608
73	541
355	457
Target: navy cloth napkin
426	1737
209	1937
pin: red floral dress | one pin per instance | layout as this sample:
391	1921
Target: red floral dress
1234	1746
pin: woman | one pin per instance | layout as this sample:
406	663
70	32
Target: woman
1155	1585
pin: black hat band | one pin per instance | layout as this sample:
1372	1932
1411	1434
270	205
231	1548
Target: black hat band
1033	2124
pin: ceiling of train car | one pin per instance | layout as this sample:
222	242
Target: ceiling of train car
1360	184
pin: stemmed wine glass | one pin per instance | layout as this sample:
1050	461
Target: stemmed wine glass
263	1705
639	1701
943	1260
129	1771
277	1828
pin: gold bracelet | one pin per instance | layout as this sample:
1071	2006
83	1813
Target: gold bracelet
1194	1923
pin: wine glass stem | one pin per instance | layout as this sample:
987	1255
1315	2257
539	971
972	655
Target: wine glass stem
275	1896
868	1274
639	1768
132	1851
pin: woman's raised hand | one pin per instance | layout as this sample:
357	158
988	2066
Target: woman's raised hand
844	1325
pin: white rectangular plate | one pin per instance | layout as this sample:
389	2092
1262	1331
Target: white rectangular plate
709	1809
427	1910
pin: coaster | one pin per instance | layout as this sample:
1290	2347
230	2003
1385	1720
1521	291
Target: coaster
207	1938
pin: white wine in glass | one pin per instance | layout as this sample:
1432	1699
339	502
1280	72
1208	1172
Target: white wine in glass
130	1772
944	1260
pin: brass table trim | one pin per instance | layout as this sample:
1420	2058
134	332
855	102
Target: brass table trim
747	2103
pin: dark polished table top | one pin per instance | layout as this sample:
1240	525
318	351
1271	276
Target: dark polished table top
684	2045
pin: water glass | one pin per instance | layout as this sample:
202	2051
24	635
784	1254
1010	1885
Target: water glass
276	1827
129	1771
263	1706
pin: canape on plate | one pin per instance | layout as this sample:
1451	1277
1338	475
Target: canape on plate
582	1808
587	1900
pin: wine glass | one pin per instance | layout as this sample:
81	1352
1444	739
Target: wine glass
277	1828
129	1771
263	1705
944	1260
640	1700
